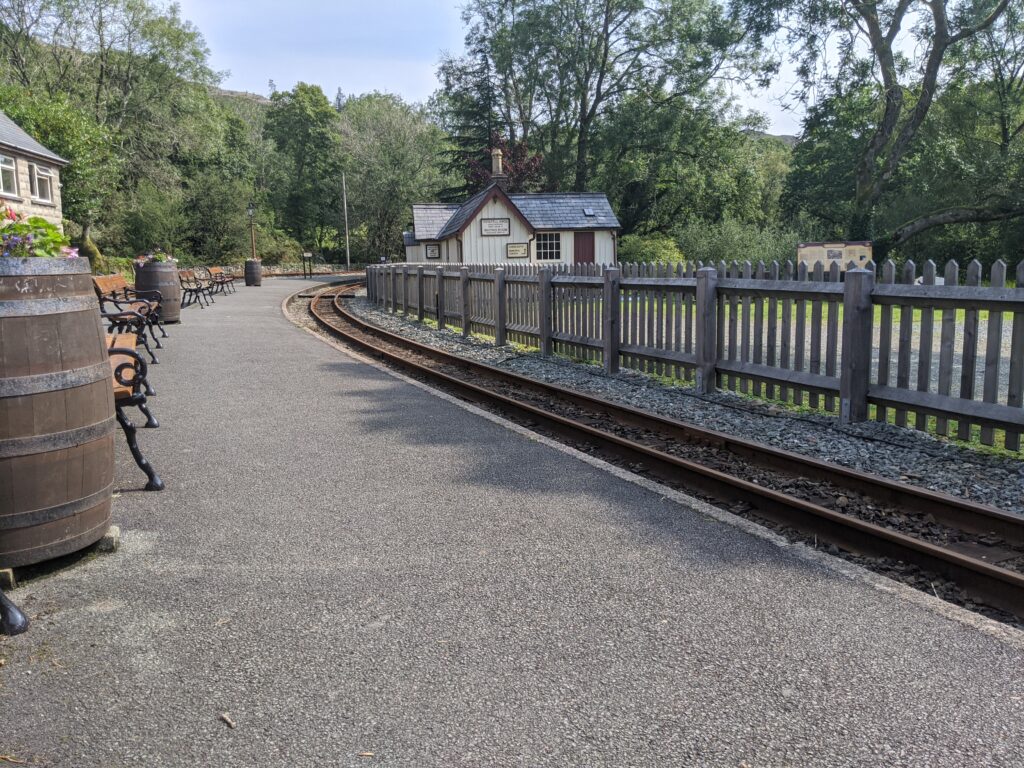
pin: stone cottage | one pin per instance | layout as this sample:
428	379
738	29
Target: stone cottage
29	174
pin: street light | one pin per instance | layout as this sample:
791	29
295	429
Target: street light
253	270
251	210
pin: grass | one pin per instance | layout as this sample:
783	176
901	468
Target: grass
663	308
803	407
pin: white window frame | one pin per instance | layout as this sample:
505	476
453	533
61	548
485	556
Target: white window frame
35	172
9	163
548	246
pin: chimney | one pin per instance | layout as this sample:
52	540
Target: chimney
498	176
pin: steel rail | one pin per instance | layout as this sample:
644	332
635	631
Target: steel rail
998	587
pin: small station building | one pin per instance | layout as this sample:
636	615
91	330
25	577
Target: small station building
496	227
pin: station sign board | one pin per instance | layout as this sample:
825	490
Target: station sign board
495	227
517	250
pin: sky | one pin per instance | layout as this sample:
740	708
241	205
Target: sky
359	46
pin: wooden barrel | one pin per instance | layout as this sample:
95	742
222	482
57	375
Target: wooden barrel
253	272
161	276
56	411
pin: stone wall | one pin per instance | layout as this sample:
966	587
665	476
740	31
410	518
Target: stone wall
23	203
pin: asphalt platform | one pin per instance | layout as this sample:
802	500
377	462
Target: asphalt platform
346	570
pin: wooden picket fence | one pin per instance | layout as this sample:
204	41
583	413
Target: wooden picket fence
855	344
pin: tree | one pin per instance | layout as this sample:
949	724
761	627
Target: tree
871	56
523	168
304	126
560	67
391	154
91	174
465	109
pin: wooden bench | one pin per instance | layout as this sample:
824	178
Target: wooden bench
224	282
194	289
138	310
129	372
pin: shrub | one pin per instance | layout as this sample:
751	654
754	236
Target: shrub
649	248
732	240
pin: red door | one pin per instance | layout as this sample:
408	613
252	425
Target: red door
583	247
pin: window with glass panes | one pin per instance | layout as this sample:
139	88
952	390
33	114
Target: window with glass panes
8	176
549	246
40	178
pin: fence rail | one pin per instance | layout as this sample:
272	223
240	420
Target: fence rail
930	353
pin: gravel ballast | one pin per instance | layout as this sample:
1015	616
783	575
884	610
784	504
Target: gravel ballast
887	450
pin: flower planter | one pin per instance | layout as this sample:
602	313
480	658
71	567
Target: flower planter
161	276
56	411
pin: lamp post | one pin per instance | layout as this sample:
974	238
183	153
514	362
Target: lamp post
253	269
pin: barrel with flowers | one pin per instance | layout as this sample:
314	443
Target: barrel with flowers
157	271
56	398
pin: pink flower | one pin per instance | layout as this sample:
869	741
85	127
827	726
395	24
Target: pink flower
70	253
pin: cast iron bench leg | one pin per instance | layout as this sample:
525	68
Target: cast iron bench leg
12	620
156	339
145	343
151	422
155	483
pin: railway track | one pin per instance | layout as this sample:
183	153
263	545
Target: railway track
976	548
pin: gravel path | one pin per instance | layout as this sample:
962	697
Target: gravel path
881	448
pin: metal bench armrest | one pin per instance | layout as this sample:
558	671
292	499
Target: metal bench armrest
144	294
137	366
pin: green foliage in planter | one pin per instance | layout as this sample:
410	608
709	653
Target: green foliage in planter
22	237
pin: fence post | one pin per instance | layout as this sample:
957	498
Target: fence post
500	308
611	310
464	296
405	289
706	331
854	374
419	294
394	289
369	284
439	303
544	310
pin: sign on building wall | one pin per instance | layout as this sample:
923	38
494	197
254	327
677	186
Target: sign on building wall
517	251
495	227
433	251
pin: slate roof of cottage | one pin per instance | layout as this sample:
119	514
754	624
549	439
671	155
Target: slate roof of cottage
428	219
566	210
13	137
463	212
546	210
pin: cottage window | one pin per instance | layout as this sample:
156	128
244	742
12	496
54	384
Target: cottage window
40	179
549	246
8	176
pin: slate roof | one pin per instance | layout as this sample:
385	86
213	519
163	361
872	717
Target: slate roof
566	210
12	136
546	210
429	218
462	213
